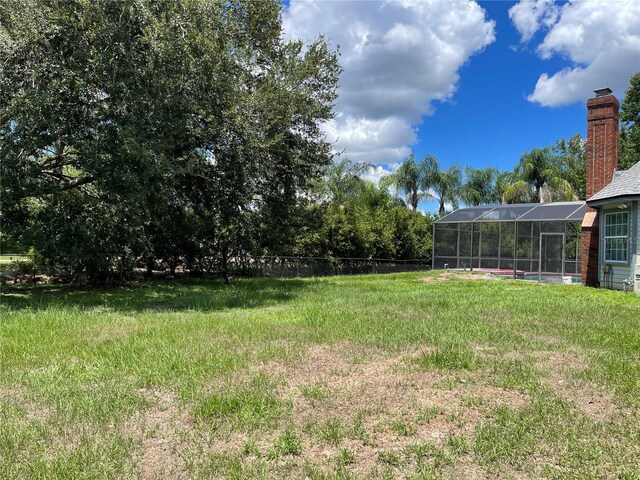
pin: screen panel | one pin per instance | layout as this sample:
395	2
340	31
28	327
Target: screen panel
489	239
446	240
506	212
551	211
465	214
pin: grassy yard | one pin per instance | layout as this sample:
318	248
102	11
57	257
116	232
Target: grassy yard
396	376
10	259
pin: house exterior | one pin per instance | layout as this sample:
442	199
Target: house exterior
618	208
611	226
594	242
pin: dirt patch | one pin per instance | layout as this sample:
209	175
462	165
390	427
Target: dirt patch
469	470
159	430
380	402
588	398
17	396
447	275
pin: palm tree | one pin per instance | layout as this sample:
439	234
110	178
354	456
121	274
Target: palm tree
571	156
343	179
374	197
444	186
480	186
408	179
538	175
504	181
424	179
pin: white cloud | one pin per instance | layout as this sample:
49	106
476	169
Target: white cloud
399	57
376	173
528	16
602	42
371	141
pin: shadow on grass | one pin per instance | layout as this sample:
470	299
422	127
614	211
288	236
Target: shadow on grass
174	295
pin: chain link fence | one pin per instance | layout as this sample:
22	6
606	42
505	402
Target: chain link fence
284	266
22	269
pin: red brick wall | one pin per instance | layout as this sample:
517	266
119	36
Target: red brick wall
602	142
602	161
589	254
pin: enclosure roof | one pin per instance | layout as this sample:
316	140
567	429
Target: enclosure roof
624	184
526	212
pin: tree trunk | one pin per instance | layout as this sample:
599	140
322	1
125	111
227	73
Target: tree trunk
150	265
225	270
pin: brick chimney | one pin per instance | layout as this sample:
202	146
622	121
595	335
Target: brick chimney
602	161
602	140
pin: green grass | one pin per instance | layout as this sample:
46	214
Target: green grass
331	431
288	443
250	407
450	357
511	378
316	393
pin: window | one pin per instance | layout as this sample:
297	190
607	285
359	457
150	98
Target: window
616	234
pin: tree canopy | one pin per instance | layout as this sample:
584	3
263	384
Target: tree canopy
409	179
142	129
539	177
630	125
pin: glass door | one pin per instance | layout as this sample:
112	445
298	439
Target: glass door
551	266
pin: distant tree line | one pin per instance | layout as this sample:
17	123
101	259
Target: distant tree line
554	173
346	216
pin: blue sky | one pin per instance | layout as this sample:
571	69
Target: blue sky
475	83
489	121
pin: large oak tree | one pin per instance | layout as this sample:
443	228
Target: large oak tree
173	130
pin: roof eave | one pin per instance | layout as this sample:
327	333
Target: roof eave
617	198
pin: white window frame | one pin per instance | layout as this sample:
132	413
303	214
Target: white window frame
625	238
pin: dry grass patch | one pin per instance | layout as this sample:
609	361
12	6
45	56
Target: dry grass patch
561	375
119	330
367	401
159	431
18	397
447	275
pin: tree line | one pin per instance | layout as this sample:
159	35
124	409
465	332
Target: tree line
555	173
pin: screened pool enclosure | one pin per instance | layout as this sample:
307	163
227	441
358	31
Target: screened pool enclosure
530	241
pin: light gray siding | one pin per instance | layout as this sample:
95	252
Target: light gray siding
637	239
635	266
620	272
